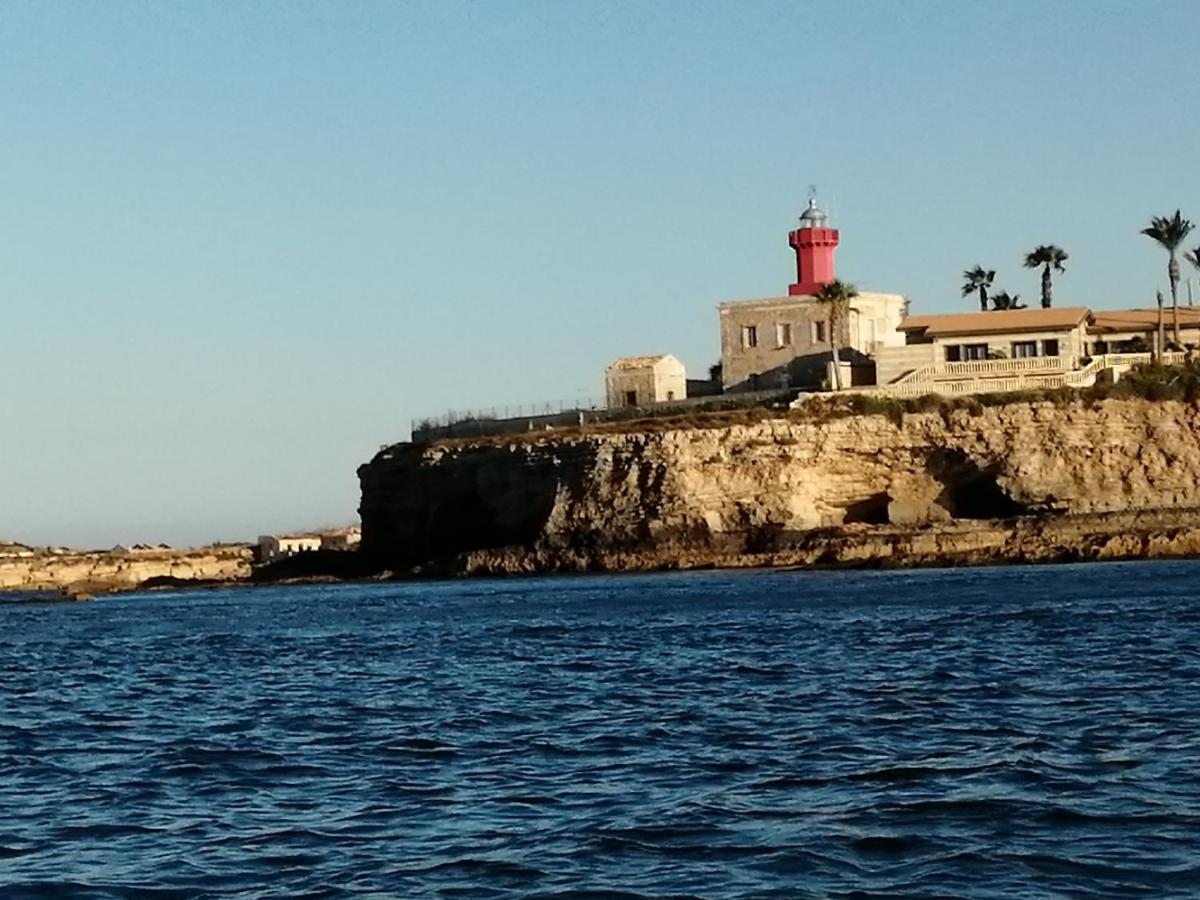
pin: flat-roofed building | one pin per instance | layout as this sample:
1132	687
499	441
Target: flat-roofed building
1135	330
788	341
275	546
642	380
1017	334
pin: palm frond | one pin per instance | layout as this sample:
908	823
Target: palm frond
1169	231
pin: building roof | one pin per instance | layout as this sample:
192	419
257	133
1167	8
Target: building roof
639	362
804	300
1109	320
997	321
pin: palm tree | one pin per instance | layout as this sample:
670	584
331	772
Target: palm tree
837	296
1170	232
1048	256
978	280
1005	300
1192	256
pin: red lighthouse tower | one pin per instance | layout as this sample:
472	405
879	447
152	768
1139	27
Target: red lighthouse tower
814	244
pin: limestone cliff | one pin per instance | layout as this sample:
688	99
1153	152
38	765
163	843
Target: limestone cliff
798	490
94	572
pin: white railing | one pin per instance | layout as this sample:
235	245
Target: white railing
986	367
1030	374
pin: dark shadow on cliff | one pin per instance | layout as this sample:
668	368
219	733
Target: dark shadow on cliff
318	564
970	491
414	513
871	510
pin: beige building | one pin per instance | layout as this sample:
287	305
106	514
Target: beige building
341	538
641	380
1133	330
786	341
1019	334
275	546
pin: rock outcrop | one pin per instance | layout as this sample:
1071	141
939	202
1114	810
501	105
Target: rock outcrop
91	572
1110	479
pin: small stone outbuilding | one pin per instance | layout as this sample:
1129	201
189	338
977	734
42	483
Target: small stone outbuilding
641	380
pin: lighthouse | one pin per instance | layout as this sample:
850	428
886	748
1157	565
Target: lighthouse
814	244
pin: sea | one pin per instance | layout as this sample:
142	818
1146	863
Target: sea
978	732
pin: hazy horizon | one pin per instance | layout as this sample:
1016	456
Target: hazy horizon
242	246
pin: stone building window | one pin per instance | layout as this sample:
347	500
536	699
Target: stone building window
818	332
783	334
1050	347
749	336
631	398
974	352
1024	349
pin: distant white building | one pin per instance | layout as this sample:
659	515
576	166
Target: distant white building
276	546
641	380
341	538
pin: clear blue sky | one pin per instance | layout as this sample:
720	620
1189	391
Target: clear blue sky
241	245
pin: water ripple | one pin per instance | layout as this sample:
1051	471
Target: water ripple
986	732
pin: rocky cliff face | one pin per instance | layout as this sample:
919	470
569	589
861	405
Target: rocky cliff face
791	490
94	572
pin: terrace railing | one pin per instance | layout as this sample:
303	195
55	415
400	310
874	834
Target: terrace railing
956	379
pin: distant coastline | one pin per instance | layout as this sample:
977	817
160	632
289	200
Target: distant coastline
1061	478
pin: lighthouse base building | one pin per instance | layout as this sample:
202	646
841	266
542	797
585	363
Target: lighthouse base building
786	341
778	342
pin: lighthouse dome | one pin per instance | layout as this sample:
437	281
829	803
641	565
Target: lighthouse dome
812	217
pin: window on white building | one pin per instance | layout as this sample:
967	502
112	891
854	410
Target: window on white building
974	351
1024	349
1050	347
783	334
749	336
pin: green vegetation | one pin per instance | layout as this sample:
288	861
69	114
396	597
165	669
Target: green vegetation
1193	256
1048	256
837	296
978	280
1005	300
1170	232
1154	382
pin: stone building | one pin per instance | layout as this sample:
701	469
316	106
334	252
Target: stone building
1016	334
275	546
787	341
1132	330
640	380
347	538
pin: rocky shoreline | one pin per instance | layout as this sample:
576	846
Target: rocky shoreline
1020	482
1100	537
82	574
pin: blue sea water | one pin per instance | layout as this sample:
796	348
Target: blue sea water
1018	732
